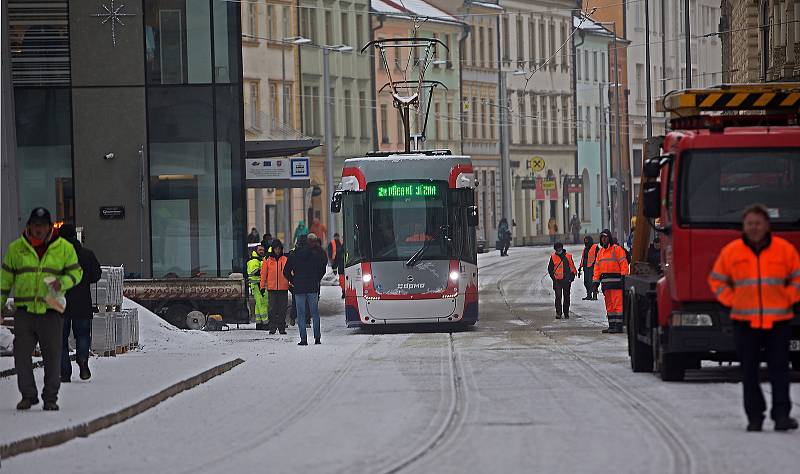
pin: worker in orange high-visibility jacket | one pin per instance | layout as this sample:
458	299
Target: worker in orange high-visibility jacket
610	267
562	271
336	258
277	287
757	277
588	258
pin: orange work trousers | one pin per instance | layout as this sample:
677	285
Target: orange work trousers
613	300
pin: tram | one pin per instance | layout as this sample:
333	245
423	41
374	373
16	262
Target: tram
409	224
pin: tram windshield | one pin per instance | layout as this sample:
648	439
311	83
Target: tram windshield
405	216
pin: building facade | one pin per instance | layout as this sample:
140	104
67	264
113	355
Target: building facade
338	23
272	109
753	52
536	60
592	46
132	128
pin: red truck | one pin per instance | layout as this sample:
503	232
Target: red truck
729	146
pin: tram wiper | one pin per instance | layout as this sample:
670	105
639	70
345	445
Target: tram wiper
418	253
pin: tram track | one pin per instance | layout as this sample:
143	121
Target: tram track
290	418
672	437
450	424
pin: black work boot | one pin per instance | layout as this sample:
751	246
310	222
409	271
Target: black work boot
755	424
607	330
26	403
558	316
83	364
282	330
566	315
50	406
785	424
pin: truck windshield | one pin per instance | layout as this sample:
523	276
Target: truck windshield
716	185
404	216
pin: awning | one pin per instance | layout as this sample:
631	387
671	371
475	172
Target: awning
276	148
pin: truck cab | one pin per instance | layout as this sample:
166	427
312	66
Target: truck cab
699	178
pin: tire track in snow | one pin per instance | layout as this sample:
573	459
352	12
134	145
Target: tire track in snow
454	419
683	458
305	406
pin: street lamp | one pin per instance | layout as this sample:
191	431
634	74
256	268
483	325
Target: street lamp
505	132
326	85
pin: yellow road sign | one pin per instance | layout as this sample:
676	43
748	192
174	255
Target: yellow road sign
537	164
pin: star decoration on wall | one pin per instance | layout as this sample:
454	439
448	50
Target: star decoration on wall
114	15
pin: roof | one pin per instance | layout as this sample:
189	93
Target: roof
489	5
585	24
412	8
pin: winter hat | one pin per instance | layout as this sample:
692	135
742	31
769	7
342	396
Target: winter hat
276	243
607	233
40	215
68	232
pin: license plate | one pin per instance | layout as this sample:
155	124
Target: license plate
794	345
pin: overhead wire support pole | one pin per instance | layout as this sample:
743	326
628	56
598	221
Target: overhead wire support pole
326	84
688	28
505	164
617	137
647	68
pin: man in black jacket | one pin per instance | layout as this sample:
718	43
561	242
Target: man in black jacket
78	315
304	269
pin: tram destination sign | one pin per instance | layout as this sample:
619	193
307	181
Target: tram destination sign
406	190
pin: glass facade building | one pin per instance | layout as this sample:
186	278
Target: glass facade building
173	72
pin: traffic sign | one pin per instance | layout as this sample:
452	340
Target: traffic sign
537	164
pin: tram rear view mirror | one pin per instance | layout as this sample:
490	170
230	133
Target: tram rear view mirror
472	216
336	202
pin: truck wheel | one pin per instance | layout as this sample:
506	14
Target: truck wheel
641	353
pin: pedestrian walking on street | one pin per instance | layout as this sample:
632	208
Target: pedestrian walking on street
300	230
336	259
610	267
266	242
277	287
254	281
318	228
588	259
253	237
552	229
575	227
78	315
504	237
304	269
38	254
562	271
757	278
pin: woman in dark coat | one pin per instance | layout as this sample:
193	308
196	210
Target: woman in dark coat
78	315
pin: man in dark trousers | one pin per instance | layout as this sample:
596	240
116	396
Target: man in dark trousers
757	278
562	271
78	315
38	251
588	259
304	269
336	258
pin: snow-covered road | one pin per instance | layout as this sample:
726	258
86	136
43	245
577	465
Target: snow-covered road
521	392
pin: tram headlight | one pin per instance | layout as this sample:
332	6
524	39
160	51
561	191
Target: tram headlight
454	275
366	278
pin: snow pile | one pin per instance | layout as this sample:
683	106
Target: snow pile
157	334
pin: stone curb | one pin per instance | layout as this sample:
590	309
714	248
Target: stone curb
83	430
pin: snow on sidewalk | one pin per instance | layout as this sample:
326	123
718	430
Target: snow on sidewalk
167	356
